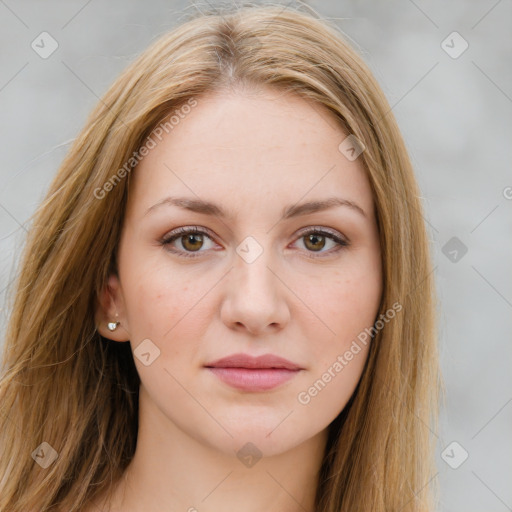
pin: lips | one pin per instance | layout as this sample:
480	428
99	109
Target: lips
253	374
266	361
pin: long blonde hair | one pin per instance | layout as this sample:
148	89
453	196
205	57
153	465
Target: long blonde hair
65	385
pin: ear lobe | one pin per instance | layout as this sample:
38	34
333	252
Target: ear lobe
109	308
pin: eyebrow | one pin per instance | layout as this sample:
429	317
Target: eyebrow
209	208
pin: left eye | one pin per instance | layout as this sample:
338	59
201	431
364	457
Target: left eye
192	240
317	240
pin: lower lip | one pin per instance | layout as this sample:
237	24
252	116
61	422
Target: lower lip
254	379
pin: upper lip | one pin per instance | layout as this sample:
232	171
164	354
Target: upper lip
246	361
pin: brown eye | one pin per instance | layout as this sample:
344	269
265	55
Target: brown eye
192	242
319	242
314	241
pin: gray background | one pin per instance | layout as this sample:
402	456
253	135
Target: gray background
454	113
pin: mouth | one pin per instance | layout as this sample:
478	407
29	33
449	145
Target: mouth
253	374
253	379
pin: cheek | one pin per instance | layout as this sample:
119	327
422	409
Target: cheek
154	297
348	302
351	306
166	307
327	393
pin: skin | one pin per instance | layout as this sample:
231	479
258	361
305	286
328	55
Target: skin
254	153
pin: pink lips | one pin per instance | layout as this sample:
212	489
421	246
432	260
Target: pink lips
254	373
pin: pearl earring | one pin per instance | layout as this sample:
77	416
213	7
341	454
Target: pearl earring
112	326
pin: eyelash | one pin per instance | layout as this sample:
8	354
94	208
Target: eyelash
178	233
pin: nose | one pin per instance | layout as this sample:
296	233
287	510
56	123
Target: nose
256	298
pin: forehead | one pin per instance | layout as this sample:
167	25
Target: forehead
252	149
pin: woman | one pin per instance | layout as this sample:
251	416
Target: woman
226	300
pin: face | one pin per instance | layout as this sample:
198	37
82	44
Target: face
253	272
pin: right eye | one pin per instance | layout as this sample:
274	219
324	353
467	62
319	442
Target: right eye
192	240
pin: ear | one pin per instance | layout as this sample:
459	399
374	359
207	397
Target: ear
109	302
